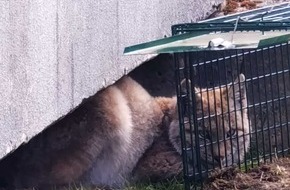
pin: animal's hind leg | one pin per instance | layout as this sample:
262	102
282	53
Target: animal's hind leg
109	119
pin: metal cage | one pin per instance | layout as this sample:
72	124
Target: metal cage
214	130
233	99
233	104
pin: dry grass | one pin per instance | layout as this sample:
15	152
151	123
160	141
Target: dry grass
272	176
268	176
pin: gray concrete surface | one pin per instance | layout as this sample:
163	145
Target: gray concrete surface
53	54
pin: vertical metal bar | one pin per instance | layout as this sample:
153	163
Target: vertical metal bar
272	98
228	112
215	116
191	109
248	103
241	107
235	112
267	106
279	94
222	110
208	106
195	123
254	109
202	113
180	98
288	62
260	109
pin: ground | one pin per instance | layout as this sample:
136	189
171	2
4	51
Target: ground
268	176
274	176
234	6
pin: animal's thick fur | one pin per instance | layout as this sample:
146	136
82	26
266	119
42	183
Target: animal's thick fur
99	143
229	105
104	140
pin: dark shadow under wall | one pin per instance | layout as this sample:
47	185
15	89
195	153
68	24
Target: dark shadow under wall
157	76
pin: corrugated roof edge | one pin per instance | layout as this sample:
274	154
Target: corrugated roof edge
168	40
161	41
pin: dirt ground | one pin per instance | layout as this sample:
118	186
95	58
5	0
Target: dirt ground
274	176
234	6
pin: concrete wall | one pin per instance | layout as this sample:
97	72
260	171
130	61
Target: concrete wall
55	53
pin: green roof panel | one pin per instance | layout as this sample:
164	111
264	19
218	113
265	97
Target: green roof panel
241	30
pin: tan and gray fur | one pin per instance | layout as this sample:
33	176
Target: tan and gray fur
102	141
99	143
163	160
227	127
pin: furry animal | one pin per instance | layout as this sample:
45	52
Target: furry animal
98	143
104	140
228	129
223	120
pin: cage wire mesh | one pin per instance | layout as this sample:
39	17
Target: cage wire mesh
232	103
233	108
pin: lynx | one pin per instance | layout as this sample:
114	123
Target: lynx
227	129
98	143
107	140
